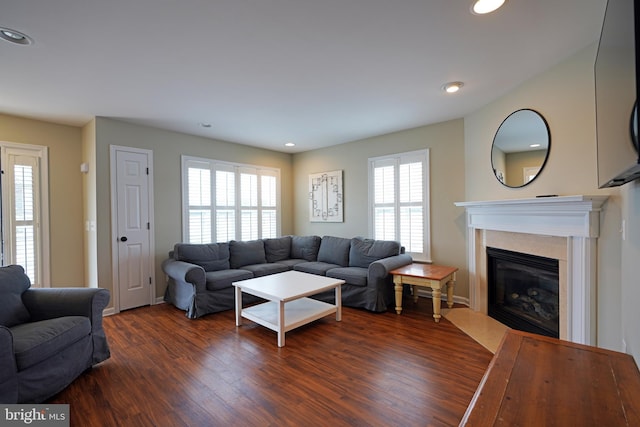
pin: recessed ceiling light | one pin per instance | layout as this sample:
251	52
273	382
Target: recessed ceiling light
289	144
205	125
452	87
534	145
481	7
14	36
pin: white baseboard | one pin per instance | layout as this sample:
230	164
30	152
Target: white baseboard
423	292
110	311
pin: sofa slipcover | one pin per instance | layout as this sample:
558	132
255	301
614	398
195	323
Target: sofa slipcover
48	337
364	264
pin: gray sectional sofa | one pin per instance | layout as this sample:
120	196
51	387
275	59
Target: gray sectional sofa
200	276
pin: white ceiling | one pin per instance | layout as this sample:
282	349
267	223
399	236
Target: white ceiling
266	72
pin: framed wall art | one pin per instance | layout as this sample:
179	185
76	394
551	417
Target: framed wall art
325	197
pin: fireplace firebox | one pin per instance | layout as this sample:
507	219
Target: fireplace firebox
523	291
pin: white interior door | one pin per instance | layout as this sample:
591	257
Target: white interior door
131	193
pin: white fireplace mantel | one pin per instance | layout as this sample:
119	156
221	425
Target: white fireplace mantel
574	218
564	216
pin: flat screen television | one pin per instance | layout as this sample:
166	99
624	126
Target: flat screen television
617	84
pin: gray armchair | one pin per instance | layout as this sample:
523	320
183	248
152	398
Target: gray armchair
48	337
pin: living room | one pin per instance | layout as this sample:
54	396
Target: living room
460	170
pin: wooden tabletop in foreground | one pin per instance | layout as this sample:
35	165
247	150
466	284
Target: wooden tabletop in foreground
428	271
535	380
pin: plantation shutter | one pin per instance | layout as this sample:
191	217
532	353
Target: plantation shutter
411	204
269	199
248	204
385	200
225	212
25	210
226	201
400	195
199	206
24	218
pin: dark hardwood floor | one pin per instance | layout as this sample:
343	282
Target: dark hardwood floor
368	370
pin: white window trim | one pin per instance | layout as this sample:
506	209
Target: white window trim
237	168
42	153
395	159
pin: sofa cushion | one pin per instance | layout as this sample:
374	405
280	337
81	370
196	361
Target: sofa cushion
222	279
334	250
305	247
246	253
37	341
315	267
259	270
292	262
13	282
277	249
351	275
365	251
211	257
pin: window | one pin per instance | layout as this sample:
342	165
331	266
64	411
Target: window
399	201
226	201
25	223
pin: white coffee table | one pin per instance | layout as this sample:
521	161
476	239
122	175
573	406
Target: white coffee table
287	306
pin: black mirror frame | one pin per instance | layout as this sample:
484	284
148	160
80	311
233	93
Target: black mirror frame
546	157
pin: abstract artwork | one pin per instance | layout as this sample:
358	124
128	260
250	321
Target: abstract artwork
325	197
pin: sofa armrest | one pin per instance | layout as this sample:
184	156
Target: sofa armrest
49	303
185	272
379	270
8	369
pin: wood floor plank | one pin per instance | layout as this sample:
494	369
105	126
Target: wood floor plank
369	369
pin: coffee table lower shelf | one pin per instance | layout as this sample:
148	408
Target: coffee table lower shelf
295	314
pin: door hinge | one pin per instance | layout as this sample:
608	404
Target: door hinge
147	171
149	280
148	226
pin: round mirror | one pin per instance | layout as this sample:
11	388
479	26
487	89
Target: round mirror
520	148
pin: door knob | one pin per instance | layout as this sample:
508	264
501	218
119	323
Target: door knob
123	239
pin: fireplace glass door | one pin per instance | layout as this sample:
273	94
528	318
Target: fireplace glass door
524	291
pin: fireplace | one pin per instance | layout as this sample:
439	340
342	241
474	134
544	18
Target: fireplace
523	291
564	228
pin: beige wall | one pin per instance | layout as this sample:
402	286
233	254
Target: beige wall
65	191
564	95
446	150
167	148
89	204
630	260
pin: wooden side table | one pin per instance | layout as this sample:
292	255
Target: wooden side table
428	276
